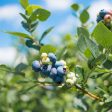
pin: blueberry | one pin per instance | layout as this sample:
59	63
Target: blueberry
102	13
45	69
43	55
58	80
53	73
36	66
52	57
61	71
99	18
45	60
60	63
69	82
70	75
107	18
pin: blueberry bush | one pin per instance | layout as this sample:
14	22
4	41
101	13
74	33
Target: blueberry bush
75	76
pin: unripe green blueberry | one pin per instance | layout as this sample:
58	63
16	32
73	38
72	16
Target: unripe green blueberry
69	82
44	55
71	75
45	60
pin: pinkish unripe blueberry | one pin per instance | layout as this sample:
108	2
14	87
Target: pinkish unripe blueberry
107	18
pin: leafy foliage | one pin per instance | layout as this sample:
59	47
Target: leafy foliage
75	7
84	16
102	35
19	34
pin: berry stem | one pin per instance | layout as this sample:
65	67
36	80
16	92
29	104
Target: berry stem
88	93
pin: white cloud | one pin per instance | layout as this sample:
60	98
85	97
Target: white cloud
21	59
58	4
10	12
69	24
97	6
8	56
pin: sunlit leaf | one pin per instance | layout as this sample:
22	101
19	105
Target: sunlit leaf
19	34
31	8
24	3
47	49
84	16
40	14
45	33
75	7
102	35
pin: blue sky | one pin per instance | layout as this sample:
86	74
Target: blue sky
57	18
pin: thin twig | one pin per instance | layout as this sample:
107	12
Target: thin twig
50	83
88	93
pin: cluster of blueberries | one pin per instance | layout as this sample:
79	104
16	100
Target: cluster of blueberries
105	16
48	66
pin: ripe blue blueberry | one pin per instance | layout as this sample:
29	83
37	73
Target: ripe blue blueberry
59	63
99	18
36	66
61	71
102	13
52	57
53	73
45	69
58	79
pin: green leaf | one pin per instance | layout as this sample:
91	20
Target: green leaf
81	44
30	27
24	16
16	78
19	34
102	35
28	89
110	89
4	68
20	67
82	31
88	53
92	47
31	44
84	16
75	7
43	14
24	3
40	14
92	62
80	71
45	33
107	64
85	44
47	49
31	8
